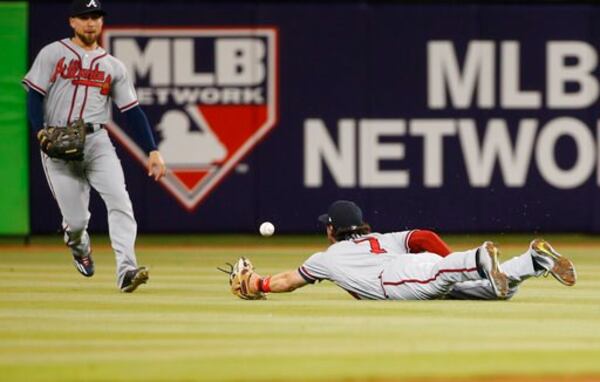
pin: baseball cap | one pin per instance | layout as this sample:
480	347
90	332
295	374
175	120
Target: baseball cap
82	7
343	214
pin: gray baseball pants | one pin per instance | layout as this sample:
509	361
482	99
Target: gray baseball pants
426	276
70	183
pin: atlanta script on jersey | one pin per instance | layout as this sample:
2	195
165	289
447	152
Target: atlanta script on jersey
79	84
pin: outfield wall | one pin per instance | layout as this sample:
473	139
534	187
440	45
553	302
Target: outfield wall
452	117
14	156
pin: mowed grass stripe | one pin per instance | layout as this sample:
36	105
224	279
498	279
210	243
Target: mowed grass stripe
186	326
299	367
173	351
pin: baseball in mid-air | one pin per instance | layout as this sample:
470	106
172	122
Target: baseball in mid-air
267	229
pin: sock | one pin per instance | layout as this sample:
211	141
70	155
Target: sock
479	268
536	266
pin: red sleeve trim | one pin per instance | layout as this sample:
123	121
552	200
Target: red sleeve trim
33	86
129	106
306	275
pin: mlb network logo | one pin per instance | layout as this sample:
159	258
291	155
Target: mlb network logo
211	94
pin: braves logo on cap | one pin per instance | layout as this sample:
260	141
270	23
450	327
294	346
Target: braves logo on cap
211	94
82	7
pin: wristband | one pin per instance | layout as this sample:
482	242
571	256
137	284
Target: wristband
264	284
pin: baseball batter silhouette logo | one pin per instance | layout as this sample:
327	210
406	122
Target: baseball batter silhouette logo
183	147
210	93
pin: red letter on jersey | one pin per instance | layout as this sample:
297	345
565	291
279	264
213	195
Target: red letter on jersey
374	243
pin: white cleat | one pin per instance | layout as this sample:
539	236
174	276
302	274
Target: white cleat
488	260
558	266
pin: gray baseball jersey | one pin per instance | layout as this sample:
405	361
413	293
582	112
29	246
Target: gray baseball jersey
79	84
355	265
380	266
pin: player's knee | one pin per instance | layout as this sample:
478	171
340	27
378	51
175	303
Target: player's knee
121	212
76	225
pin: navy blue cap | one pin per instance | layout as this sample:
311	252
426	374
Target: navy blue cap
82	7
343	214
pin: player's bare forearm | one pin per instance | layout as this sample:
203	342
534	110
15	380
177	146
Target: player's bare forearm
287	281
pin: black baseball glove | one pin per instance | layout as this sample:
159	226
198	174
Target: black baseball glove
63	142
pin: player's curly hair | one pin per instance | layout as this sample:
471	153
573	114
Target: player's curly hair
351	233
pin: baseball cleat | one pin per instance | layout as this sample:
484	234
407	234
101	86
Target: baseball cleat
558	266
489	263
134	278
84	264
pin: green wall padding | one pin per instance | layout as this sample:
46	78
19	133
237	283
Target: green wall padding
14	158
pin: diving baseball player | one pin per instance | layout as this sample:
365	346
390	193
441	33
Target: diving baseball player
70	88
408	265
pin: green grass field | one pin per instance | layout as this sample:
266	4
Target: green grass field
186	326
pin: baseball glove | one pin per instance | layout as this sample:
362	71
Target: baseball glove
63	142
239	278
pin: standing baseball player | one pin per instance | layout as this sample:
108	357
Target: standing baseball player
408	265
70	88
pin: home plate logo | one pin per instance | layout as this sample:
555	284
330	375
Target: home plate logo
211	94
